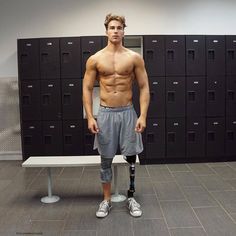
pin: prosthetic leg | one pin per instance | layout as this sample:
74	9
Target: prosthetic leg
131	160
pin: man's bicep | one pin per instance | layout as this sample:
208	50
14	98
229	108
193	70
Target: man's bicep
140	73
90	73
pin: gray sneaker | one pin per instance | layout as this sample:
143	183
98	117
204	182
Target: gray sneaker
134	207
104	208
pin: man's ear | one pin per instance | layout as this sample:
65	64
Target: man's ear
106	32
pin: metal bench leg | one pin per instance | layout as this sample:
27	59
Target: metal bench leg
117	197
50	198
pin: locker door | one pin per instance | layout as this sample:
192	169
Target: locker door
72	99
230	139
30	100
88	140
73	137
230	55
175	96
195	137
154	55
215	137
51	99
215	47
89	46
49	58
31	138
157	97
70	58
175	137
104	41
175	55
231	97
155	139
195	55
28	59
195	96
52	138
215	96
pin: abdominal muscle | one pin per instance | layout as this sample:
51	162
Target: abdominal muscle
115	90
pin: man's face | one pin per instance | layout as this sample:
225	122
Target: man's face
115	31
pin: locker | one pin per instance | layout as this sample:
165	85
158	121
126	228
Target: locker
157	97
195	137
215	49
28	59
231	96
104	41
88	140
52	138
73	137
175	55
215	102
72	107
154	54
215	137
230	136
175	96
49	58
195	55
51	99
70	57
89	46
175	137
155	138
31	138
195	96
30	100
230	55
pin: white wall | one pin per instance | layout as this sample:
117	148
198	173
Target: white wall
55	18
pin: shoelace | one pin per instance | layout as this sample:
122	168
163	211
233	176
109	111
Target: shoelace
103	206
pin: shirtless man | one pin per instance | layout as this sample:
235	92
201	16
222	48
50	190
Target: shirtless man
115	68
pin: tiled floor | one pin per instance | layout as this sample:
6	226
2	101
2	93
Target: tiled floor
177	200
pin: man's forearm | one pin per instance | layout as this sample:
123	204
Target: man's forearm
144	102
88	104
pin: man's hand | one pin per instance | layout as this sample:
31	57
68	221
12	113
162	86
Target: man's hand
140	125
93	126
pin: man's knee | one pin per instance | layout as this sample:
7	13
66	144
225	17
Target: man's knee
106	170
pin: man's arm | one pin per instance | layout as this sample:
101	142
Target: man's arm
88	84
144	98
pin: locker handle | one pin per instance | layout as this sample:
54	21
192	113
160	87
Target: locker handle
26	99
86	52
211	136
149	54
44	57
171	137
191	136
211	54
67	99
211	95
65	57
150	138
230	135
230	95
230	54
170	55
191	96
47	139
46	99
171	96
152	95
24	58
68	139
191	54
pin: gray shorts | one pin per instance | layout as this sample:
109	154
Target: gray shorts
116	129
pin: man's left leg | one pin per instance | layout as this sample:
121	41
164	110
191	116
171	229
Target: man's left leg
133	206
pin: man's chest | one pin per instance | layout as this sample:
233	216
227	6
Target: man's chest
115	65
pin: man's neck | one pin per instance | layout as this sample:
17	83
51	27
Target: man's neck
114	47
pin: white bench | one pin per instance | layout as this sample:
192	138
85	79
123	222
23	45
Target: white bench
73	161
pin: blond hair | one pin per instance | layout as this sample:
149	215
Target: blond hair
111	17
